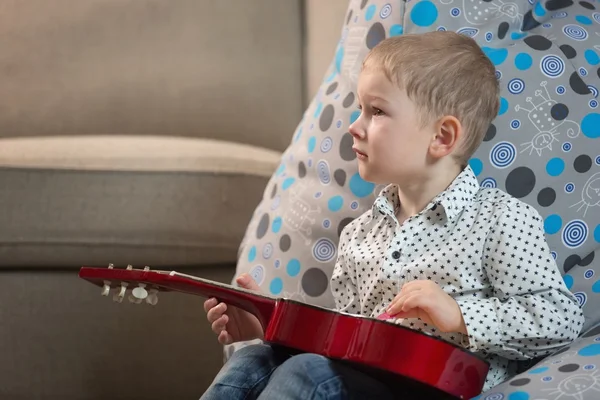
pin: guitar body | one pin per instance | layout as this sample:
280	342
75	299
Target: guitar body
379	347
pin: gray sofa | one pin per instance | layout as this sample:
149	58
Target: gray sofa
135	132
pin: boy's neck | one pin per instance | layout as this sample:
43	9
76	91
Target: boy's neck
415	195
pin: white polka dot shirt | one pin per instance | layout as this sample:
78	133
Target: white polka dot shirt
483	247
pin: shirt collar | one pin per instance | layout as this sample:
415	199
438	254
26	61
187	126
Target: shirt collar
454	199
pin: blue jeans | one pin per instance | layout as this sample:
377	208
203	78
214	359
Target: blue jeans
262	372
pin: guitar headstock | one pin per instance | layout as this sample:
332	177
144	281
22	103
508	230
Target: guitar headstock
139	291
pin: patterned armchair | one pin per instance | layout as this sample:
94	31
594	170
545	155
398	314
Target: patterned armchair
544	148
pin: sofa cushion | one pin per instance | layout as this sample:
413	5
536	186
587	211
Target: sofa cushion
69	201
543	147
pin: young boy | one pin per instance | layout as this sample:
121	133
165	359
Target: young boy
436	252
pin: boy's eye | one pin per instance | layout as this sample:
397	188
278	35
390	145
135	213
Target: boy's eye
374	110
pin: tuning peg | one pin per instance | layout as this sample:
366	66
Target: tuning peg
118	297
152	298
106	288
140	292
133	299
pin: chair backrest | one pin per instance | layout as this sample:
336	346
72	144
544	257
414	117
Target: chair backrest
543	147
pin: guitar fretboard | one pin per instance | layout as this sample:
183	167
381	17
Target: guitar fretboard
222	285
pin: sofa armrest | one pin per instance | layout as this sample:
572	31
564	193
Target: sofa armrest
73	200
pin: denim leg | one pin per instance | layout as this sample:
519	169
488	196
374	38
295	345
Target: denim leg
311	377
245	374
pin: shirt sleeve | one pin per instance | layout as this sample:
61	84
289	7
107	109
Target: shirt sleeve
343	279
530	311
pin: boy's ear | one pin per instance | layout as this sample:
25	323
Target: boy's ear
447	134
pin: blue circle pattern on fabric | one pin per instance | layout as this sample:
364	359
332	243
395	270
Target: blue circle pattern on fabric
276	286
592	57
318	110
582	19
590	351
252	254
539	10
312	143
359	187
276	226
596	287
476	165
396	30
597	233
424	13
555	166
288	182
293	267
496	56
538	370
568	279
370	12
503	106
518	396
590	125
335	203
552	224
523	61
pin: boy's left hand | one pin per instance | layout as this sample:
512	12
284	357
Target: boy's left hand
424	299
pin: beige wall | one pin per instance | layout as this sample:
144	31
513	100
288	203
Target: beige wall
324	19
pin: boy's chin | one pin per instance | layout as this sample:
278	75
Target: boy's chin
369	175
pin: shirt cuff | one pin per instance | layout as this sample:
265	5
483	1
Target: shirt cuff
482	325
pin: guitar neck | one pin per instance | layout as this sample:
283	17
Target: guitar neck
260	305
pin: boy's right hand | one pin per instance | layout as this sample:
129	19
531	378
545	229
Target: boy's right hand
232	324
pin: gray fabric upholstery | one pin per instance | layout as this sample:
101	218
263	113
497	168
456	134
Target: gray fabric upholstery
60	339
215	69
570	373
70	201
230	70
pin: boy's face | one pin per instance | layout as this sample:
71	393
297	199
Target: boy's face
390	144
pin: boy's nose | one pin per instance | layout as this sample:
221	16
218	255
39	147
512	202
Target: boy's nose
356	130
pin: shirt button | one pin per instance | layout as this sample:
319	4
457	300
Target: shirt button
396	254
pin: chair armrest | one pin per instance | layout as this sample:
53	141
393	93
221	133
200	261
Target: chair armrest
572	373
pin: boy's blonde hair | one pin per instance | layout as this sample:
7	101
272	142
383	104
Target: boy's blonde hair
443	73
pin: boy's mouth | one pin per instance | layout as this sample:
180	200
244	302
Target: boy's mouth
359	153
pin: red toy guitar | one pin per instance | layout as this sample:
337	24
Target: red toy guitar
379	346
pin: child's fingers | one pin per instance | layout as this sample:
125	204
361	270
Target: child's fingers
411	287
404	303
216	312
410	306
219	325
210	303
225	338
414	313
421	300
396	304
412	300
